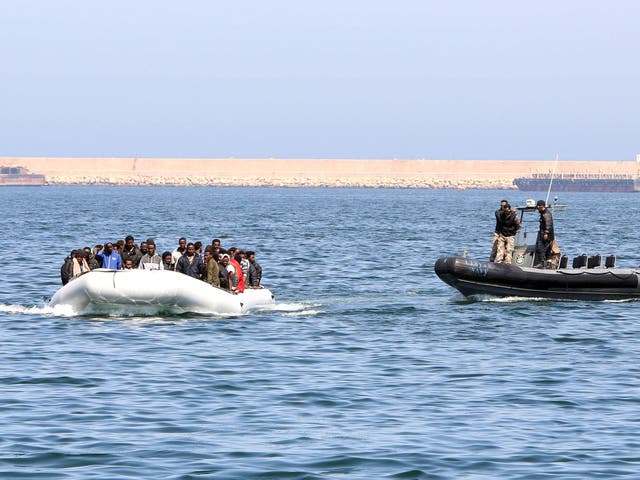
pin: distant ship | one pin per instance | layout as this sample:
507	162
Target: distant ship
19	176
579	182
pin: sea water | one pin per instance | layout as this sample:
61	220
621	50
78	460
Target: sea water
367	367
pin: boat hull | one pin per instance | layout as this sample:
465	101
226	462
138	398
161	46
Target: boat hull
154	290
474	278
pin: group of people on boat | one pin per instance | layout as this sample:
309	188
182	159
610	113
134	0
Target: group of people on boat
508	224
231	269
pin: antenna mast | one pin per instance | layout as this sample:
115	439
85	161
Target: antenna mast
555	165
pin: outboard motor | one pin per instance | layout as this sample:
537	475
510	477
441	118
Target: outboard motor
580	261
594	261
564	260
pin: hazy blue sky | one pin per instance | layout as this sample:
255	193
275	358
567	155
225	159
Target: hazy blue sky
331	78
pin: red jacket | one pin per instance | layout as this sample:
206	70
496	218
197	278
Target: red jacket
239	275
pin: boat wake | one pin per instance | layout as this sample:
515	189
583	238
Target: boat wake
286	309
294	309
514	299
112	311
59	310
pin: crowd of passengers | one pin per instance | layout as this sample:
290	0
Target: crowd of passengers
230	269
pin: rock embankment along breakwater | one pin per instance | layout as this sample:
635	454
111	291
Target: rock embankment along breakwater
458	174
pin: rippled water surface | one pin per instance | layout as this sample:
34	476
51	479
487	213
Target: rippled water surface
368	366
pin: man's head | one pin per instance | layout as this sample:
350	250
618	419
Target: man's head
143	247
215	243
108	248
166	257
503	203
129	242
251	256
541	205
151	248
191	249
128	263
182	242
224	259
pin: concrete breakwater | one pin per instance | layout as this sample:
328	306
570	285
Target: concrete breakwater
460	174
204	181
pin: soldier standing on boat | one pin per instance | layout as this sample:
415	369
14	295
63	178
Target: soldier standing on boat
509	225
496	231
545	236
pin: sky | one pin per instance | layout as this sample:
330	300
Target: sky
432	79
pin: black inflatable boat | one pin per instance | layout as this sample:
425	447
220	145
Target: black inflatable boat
588	278
475	277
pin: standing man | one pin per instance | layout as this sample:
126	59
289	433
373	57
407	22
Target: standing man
151	260
180	250
211	264
545	235
509	225
130	251
496	231
110	259
255	270
191	263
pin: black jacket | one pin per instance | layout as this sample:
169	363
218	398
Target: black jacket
223	274
255	274
134	254
546	224
498	221
194	269
509	223
66	271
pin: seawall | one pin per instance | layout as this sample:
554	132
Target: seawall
303	172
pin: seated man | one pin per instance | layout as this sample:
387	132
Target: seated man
167	261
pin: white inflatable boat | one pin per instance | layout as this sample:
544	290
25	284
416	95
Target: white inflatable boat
154	291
